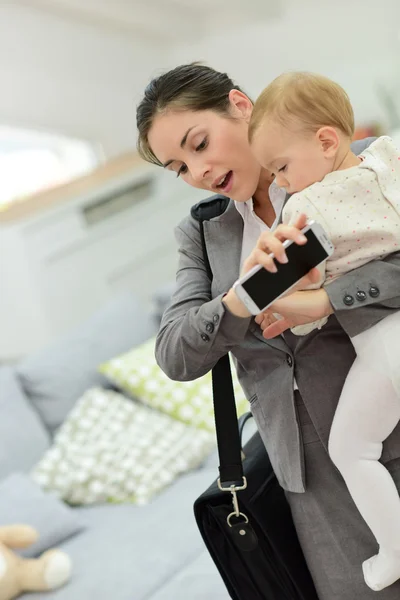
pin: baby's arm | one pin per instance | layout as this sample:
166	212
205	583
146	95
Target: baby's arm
302	203
297	204
305	202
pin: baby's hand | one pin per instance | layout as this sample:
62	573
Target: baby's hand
265	319
298	308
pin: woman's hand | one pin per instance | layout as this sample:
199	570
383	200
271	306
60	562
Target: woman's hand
272	242
298	308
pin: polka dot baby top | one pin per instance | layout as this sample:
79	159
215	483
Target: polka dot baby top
359	208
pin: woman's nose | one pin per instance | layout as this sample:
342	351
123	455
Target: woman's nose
199	172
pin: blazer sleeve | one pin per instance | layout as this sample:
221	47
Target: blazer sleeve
365	296
196	330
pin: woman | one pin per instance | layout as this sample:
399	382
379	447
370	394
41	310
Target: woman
194	121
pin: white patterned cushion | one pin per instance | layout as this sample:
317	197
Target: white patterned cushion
137	374
111	449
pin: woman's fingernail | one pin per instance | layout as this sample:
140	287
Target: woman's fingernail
284	259
302	238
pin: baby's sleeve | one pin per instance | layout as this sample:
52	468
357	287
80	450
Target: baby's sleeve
303	203
300	203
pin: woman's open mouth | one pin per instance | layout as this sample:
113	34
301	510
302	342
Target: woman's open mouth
225	184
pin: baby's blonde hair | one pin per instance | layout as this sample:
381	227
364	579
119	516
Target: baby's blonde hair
307	99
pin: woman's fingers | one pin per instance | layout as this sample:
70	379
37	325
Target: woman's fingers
270	325
276	328
289	232
301	221
272	243
259	257
259	318
268	243
265	319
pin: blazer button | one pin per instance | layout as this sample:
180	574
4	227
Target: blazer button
361	296
209	327
205	337
374	291
289	360
348	300
216	318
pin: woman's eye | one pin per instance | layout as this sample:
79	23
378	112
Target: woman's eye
202	145
282	169
182	170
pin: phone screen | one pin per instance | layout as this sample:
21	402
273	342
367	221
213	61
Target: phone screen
264	287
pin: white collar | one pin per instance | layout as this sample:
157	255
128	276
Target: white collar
276	194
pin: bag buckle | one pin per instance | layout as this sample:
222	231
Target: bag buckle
233	489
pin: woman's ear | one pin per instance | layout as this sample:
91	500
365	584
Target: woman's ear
241	105
329	141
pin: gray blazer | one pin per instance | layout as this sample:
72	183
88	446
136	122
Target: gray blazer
197	329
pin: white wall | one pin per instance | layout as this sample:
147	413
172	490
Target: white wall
72	78
84	81
356	42
81	81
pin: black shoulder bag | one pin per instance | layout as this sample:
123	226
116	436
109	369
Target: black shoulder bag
244	517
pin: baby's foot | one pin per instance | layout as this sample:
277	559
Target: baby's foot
381	570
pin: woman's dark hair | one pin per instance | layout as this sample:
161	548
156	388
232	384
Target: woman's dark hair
188	87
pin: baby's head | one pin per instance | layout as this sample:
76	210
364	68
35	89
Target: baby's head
301	128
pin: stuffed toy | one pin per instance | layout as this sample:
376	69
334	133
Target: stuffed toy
19	575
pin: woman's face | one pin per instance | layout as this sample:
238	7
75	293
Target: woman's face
207	150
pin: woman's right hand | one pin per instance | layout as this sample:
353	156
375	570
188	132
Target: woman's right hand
271	242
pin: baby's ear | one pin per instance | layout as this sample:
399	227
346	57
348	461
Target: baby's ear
329	140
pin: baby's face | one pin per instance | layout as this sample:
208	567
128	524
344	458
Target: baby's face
295	157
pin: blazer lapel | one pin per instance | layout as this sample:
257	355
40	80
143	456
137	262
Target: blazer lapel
223	236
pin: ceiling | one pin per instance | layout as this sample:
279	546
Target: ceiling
167	20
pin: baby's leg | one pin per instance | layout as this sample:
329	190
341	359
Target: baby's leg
368	411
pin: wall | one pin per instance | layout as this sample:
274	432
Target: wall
356	42
72	78
85	82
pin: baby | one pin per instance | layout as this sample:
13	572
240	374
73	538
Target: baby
301	130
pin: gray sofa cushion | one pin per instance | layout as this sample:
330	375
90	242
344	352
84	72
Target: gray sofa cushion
22	501
129	552
56	377
23	437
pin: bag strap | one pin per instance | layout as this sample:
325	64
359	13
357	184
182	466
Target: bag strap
226	421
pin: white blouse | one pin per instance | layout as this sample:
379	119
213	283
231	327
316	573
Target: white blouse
254	226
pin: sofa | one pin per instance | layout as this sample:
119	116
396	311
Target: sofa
119	551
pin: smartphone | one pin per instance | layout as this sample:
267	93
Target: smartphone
259	288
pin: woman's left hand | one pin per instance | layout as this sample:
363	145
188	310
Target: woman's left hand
298	308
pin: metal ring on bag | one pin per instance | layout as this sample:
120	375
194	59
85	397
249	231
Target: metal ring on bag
233	514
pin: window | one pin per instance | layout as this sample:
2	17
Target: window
31	161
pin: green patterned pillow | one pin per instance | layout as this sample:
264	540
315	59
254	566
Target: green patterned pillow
111	449
137	374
